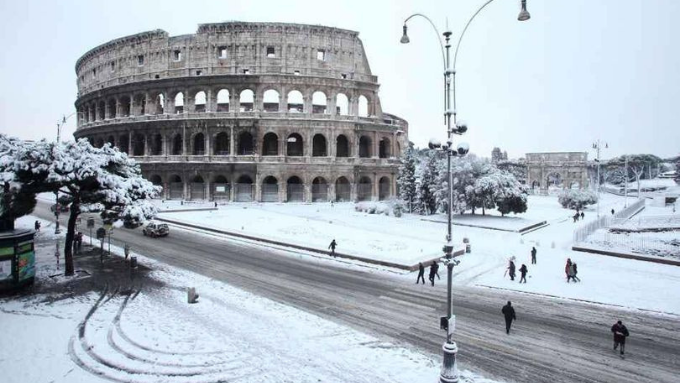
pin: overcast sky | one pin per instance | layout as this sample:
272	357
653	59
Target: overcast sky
578	71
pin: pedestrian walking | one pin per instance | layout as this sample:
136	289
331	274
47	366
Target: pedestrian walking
575	217
127	251
566	268
575	276
533	255
583	216
421	273
509	314
523	270
436	269
620	333
332	247
612	211
37	225
511	270
433	272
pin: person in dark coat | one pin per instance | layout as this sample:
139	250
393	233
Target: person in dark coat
509	314
620	333
332	247
433	272
436	269
37	225
583	216
567	267
533	255
575	217
421	273
612	211
523	270
511	270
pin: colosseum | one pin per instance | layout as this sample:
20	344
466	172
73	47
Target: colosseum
240	111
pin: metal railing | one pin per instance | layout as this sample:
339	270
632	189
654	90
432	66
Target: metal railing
582	233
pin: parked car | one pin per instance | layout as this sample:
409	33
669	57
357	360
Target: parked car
131	223
60	208
155	229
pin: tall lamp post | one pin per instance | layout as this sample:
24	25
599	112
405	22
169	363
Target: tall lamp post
449	371
597	145
60	124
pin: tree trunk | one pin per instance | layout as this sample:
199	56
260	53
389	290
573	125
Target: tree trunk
70	234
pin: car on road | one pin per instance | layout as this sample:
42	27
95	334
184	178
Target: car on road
155	229
58	207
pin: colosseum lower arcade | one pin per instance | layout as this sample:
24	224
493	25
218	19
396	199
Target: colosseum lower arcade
240	111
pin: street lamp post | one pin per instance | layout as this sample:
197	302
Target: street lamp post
449	371
60	124
597	145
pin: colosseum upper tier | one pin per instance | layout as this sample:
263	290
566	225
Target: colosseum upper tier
242	111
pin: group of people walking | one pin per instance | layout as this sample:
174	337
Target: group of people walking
571	269
523	270
434	272
579	214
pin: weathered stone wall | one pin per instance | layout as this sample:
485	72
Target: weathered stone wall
244	101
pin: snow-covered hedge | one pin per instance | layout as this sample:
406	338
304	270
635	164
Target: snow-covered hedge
577	199
392	207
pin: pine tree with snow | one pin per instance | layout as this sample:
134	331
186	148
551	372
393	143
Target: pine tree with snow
406	180
428	184
577	199
87	176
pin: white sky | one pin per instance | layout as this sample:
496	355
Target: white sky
579	70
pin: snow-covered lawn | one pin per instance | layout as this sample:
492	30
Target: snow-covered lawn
155	336
411	239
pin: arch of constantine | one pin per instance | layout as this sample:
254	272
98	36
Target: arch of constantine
565	169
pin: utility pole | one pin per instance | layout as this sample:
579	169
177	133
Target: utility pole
597	145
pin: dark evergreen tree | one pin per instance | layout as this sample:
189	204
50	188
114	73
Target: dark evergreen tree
406	180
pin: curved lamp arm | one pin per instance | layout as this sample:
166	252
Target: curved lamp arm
441	46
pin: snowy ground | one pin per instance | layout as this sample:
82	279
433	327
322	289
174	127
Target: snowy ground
155	336
410	239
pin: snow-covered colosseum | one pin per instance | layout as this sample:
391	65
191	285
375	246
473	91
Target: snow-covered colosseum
244	112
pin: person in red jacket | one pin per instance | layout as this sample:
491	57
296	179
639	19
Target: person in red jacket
620	333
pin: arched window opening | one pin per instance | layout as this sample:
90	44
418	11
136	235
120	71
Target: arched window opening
364	189
199	102
244	189
221	188
271	101
319	101
363	106
365	147
342	146
270	144
384	189
319	190
384	148
319	147
247	100
222	144
176	187
111	141
177	145
124	144
197	188
342	190
294	145
160	104
296	103
125	106
157	145
295	189
100	143
245	144
156	180
101	111
342	104
199	145
112	108
138	145
270	189
179	103
223	100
